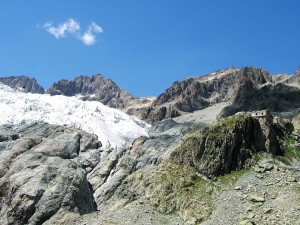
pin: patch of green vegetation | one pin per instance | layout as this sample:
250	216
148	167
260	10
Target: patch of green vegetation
291	150
231	178
283	159
220	130
291	141
259	156
190	143
178	189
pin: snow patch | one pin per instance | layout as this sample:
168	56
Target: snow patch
217	75
113	127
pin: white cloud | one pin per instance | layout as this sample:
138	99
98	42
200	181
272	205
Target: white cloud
96	28
72	26
89	37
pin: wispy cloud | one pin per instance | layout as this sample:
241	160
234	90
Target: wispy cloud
70	26
89	37
73	27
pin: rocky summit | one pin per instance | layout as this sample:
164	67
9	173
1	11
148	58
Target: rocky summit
223	148
23	83
244	89
97	88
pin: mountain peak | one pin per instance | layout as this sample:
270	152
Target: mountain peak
96	87
246	88
24	83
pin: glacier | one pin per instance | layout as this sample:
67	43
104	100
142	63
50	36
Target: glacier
114	128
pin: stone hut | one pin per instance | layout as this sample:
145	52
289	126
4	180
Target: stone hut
260	114
263	114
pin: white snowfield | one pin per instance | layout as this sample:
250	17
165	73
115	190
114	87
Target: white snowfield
113	127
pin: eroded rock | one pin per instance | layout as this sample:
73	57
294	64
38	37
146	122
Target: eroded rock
41	173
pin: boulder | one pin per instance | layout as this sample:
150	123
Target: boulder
42	172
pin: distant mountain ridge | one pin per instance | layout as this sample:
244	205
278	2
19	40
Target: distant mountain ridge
26	84
243	89
97	88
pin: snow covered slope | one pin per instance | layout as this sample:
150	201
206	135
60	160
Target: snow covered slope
113	127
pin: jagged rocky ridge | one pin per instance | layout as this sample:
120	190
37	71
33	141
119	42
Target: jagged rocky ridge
244	89
99	88
23	83
93	88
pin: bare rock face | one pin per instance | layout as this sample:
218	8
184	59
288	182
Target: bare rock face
163	169
42	172
227	146
94	88
244	89
277	96
295	79
111	178
23	83
200	92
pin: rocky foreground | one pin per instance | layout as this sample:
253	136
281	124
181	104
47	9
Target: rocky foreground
43	172
241	170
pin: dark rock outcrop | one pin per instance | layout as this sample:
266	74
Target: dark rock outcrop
42	172
277	97
23	83
200	92
229	144
92	88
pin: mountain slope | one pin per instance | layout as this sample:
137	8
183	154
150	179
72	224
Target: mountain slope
104	90
113	127
23	83
95	88
294	80
173	171
277	96
243	89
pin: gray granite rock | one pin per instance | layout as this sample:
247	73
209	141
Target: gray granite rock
42	173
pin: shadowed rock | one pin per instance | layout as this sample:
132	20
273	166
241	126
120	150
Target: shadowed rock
229	144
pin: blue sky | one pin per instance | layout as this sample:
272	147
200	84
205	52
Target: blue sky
144	46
